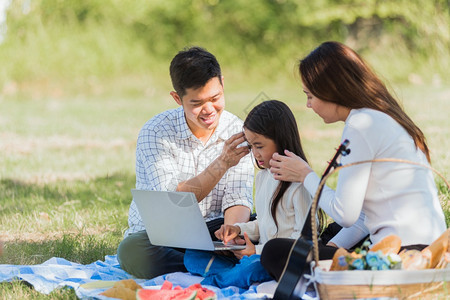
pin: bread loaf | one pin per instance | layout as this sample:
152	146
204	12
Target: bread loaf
436	251
414	260
123	289
390	244
335	266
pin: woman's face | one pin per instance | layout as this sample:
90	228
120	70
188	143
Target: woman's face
328	111
262	148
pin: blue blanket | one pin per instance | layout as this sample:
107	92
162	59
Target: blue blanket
90	280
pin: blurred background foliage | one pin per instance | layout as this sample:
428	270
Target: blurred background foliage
55	47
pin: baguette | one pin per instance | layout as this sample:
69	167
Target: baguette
390	244
436	251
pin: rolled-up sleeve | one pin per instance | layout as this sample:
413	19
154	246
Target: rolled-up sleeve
251	228
348	237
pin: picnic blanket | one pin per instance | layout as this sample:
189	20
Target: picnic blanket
92	279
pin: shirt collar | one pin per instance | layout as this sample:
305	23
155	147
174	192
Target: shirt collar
222	130
184	132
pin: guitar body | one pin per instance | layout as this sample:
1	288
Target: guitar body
298	264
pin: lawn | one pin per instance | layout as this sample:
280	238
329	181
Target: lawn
67	165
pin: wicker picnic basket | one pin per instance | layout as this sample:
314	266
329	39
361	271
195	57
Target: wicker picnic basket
354	284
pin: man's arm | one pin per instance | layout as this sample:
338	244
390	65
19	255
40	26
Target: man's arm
236	214
202	184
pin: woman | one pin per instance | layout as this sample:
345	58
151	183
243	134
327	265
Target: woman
378	199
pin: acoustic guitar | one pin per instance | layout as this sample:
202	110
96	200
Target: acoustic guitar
292	284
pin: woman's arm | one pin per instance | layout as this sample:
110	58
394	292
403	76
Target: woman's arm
345	204
349	237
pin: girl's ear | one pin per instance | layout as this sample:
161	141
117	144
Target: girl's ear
176	97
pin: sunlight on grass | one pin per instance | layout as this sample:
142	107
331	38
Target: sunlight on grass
19	290
101	204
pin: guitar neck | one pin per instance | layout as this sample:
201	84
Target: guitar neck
342	150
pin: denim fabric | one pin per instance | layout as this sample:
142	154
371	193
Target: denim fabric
226	271
196	262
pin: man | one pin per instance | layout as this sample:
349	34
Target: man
194	148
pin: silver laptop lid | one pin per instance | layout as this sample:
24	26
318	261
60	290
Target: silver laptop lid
173	219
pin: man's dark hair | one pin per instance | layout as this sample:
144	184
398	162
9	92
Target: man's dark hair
193	68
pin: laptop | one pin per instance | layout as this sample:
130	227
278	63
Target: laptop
174	219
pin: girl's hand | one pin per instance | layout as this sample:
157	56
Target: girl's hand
289	168
249	248
227	233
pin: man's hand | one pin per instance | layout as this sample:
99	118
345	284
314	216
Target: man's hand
249	248
231	153
202	184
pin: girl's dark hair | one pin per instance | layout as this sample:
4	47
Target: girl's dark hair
193	68
335	73
274	120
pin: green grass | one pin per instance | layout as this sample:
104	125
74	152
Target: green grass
67	164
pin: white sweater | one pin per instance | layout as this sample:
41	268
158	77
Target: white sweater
381	198
291	211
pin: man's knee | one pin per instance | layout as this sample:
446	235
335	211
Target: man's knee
133	257
138	257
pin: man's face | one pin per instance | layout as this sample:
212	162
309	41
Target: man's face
203	107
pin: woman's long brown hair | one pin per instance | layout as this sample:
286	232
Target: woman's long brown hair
335	73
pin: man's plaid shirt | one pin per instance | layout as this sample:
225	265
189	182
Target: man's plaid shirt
167	153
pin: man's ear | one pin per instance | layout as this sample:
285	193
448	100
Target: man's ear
223	83
176	97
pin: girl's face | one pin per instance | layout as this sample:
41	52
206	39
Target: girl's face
262	148
328	111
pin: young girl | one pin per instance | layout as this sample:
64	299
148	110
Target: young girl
281	206
378	199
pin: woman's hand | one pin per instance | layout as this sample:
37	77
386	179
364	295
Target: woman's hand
289	168
249	248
